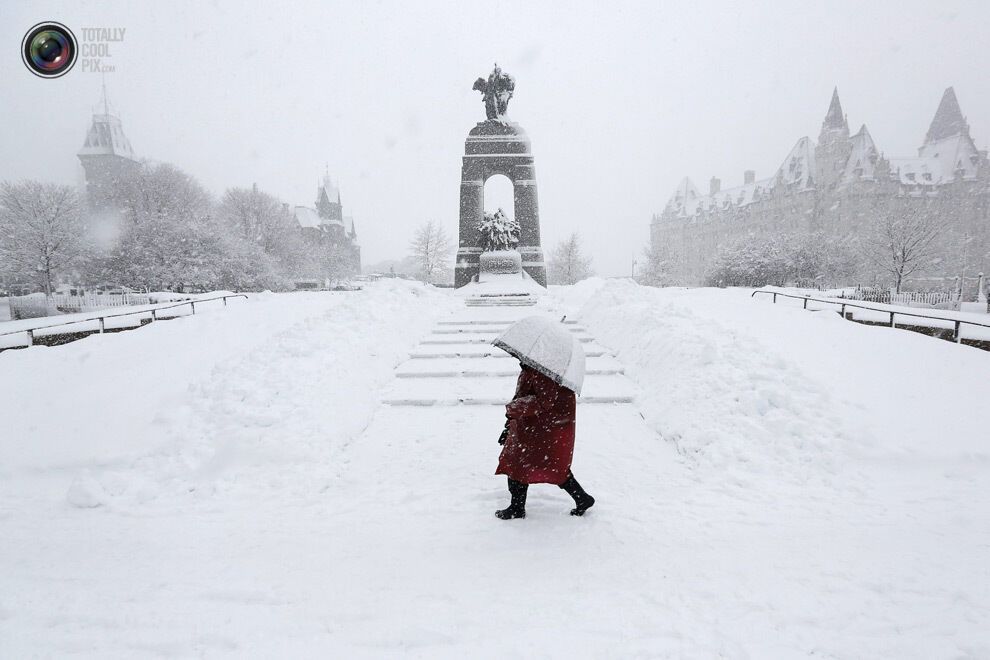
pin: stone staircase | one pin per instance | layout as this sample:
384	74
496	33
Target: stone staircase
457	365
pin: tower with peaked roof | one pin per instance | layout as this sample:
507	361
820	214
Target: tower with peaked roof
331	234
106	157
832	151
836	188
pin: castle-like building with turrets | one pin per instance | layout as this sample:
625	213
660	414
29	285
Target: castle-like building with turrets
837	187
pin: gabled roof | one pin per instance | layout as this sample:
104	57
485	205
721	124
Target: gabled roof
862	157
306	217
106	138
948	120
938	162
798	167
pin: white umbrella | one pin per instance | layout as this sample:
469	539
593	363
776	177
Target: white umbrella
548	347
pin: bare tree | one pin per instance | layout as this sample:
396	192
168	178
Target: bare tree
901	241
568	263
41	228
431	248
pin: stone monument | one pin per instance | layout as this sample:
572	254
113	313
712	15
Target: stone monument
498	146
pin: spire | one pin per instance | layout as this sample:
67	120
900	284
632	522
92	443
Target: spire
106	133
835	128
834	117
106	103
948	120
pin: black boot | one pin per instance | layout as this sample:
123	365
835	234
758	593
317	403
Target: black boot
518	507
581	498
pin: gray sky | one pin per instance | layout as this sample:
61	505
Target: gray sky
620	99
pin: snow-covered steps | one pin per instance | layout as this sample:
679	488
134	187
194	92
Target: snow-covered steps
474	329
479	368
473	338
481	350
457	365
501	301
494	390
506	322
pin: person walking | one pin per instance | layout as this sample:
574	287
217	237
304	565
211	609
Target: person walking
538	442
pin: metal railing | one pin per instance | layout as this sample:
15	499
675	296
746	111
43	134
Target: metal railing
101	318
956	337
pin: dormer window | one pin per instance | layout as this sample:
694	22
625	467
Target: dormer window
927	176
910	176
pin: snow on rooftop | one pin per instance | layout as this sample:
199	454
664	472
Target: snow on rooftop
863	157
106	137
306	217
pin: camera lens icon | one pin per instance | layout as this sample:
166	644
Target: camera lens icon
49	50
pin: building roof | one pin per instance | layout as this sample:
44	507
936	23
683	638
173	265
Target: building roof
938	162
799	167
834	117
106	137
948	120
862	158
797	170
306	217
948	153
327	188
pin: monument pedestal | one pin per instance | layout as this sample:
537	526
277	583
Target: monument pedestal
501	281
498	147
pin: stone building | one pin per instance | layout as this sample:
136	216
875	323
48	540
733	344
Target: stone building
839	186
332	233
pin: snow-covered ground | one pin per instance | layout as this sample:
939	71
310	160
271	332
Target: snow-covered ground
785	485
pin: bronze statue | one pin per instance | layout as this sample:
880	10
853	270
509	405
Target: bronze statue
496	91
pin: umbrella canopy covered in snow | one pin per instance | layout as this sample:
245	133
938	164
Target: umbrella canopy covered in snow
548	347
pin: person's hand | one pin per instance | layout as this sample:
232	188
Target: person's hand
503	436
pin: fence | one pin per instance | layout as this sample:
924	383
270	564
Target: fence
101	318
37	305
887	297
957	323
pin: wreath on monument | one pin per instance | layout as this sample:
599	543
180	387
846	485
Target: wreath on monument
498	232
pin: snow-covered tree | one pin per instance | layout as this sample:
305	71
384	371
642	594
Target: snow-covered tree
255	216
431	248
170	235
498	231
902	241
655	270
568	264
42	235
808	260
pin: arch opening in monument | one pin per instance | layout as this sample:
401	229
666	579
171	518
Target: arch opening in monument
499	193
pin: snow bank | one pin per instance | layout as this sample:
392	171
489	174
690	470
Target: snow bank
755	388
182	396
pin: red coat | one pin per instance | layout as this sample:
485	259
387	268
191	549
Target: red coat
540	443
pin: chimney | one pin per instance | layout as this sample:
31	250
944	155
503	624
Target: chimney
714	186
749	176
